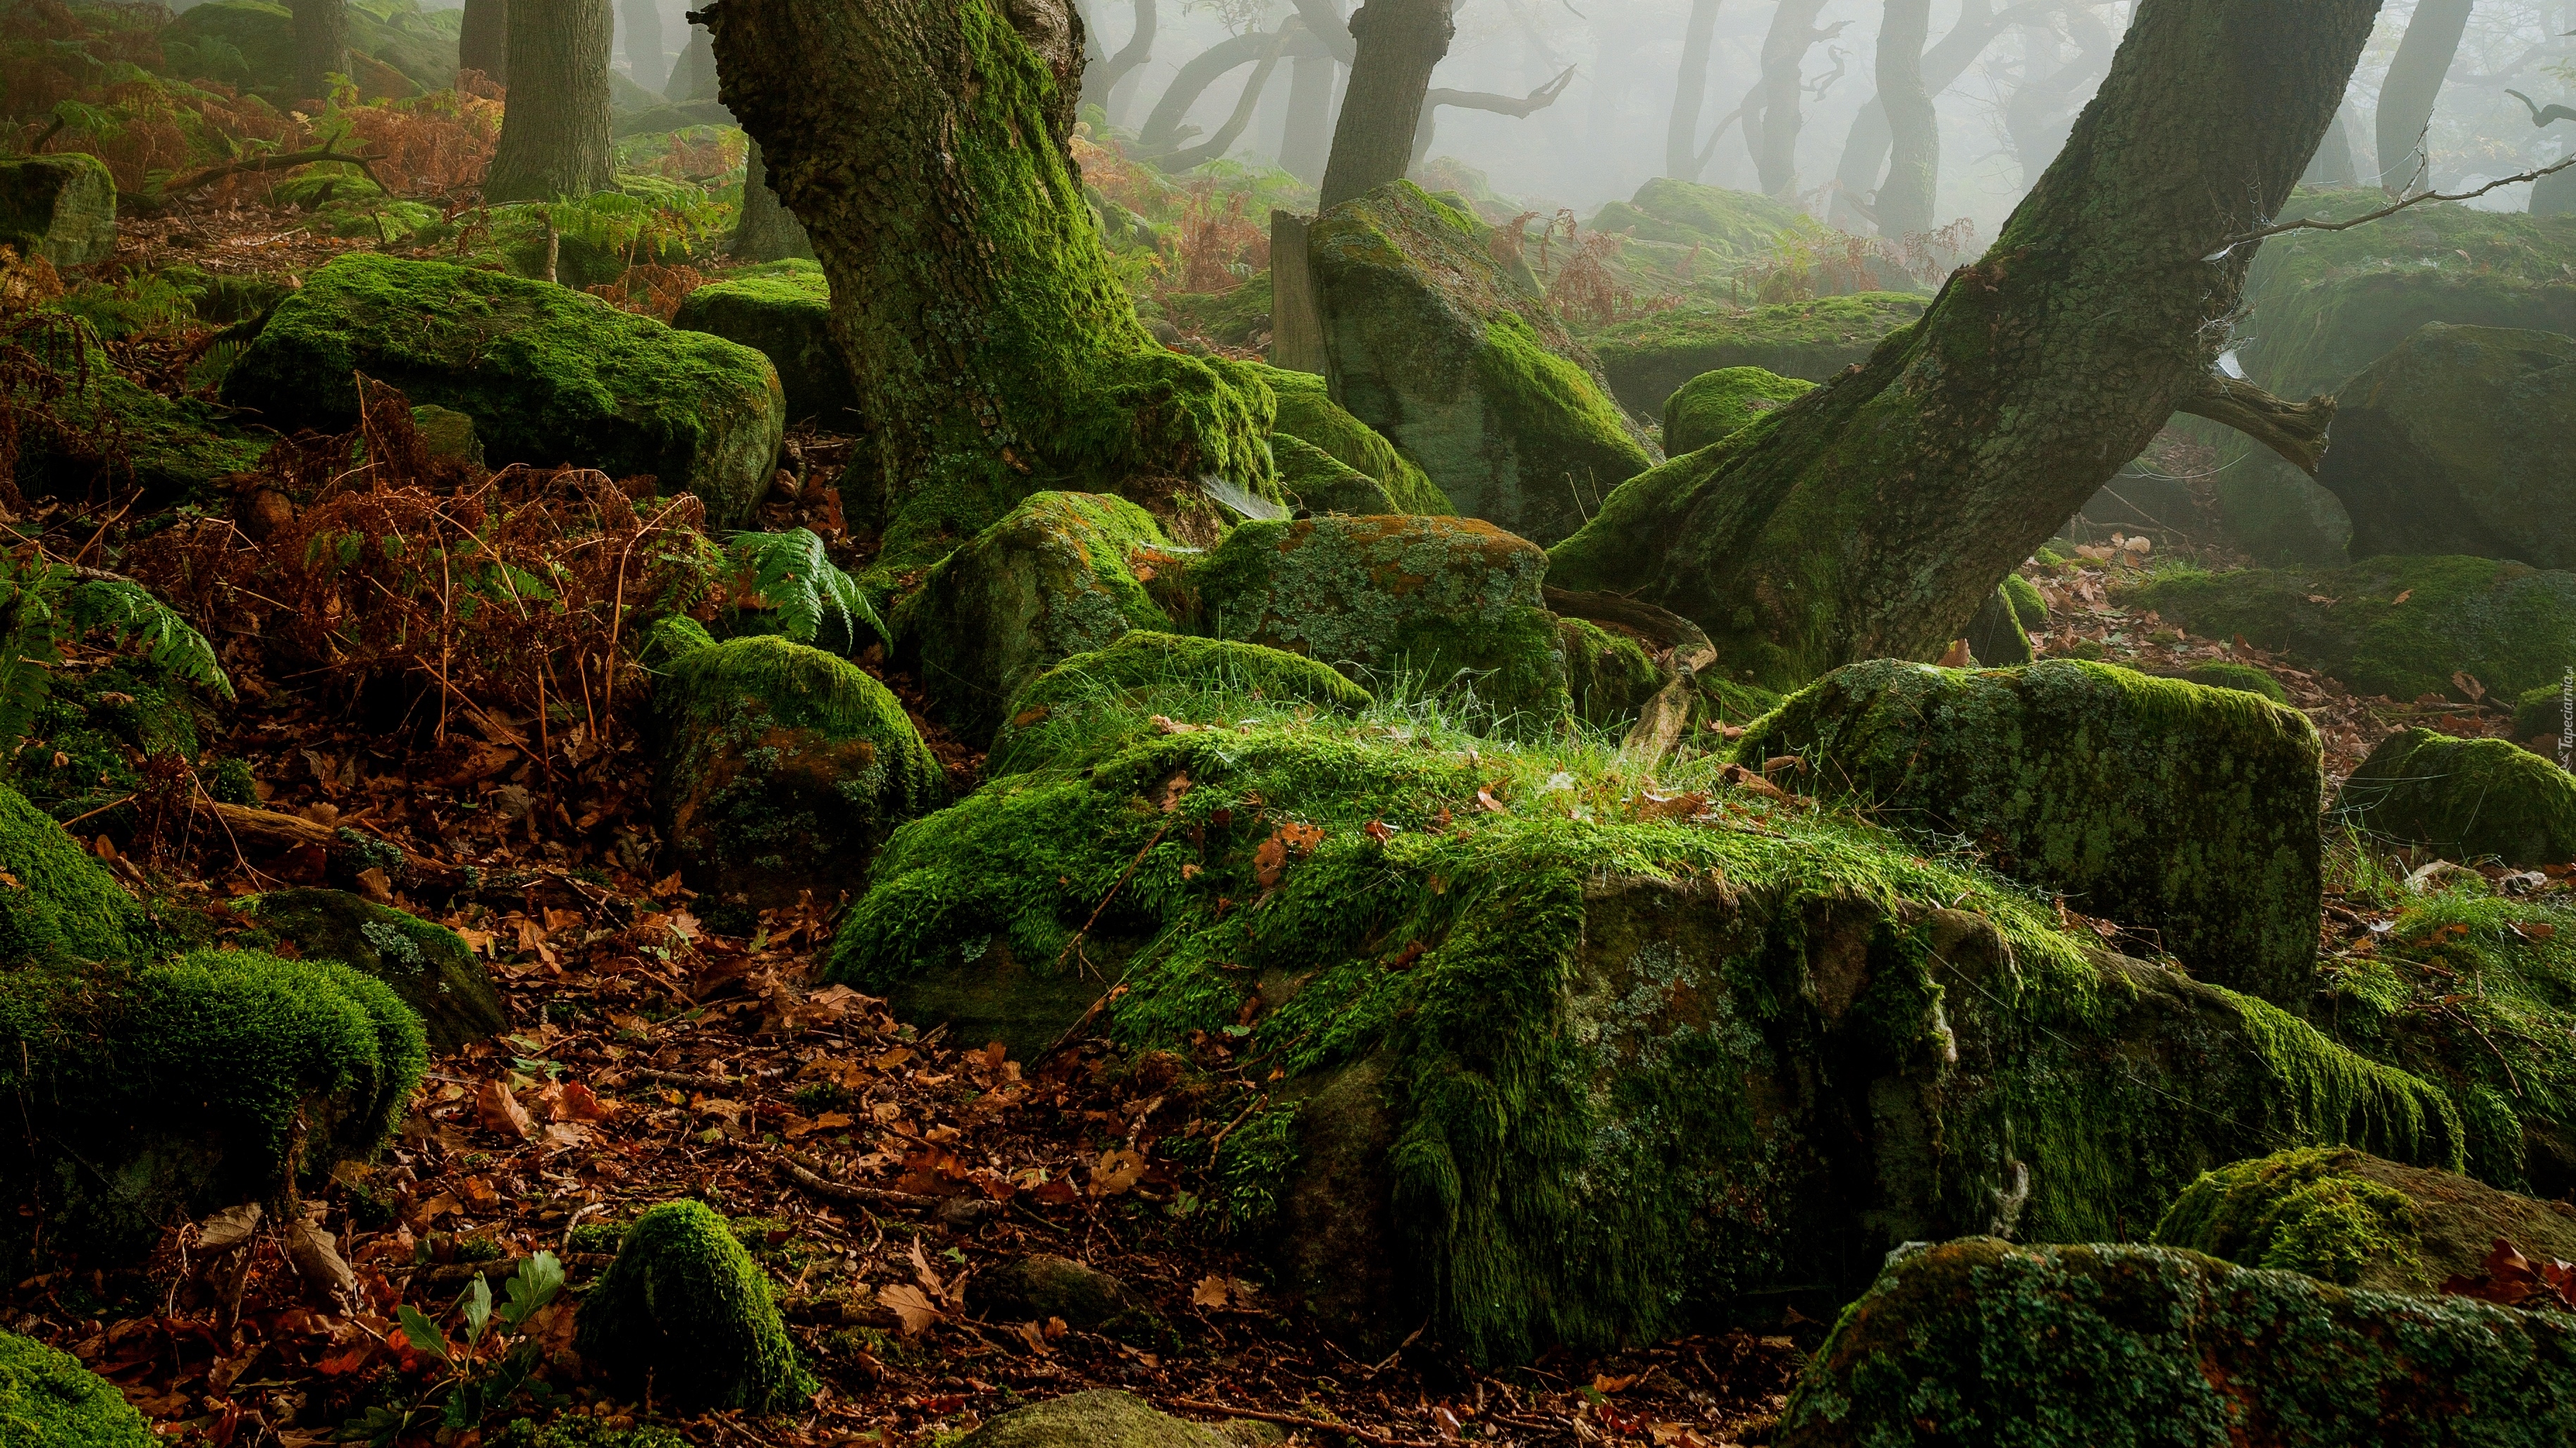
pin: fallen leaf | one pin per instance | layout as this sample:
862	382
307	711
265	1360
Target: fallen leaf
1209	1293
911	1307
1117	1170
1958	656
1034	1336
2476	691
2402	597
500	1111
1651	806
1485	801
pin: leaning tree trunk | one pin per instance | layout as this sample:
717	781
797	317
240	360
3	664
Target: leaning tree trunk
2414	85
644	44
483	44
1871	517
924	145
768	231
1681	137
1772	121
1400	43
321	46
1907	197
554	131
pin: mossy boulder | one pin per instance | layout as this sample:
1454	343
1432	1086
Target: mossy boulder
1571	1066
782	769
2394	626
48	1400
2189	812
2470	799
183	1087
1308	415
117	434
2541	713
784	314
88	745
1714	405
2456	443
1995	636
1448	600
2223	674
2349	1218
548	374
1733	225
1042	1285
1057	577
428	966
1054	717
2029	604
1609	675
1983	1342
65	908
1648	359
1107	1418
1461	365
61	207
686	1310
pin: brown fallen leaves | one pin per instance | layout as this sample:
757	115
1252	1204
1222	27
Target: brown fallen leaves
2513	1280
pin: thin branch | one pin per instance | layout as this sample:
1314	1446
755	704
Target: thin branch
2286	227
176	189
2295	430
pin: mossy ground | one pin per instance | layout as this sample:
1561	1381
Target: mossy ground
685	1308
1713	405
1649	359
2470	799
48	1400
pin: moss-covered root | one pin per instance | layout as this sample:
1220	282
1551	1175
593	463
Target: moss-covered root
1714	405
686	1311
2469	798
1979	1343
428	966
48	1400
1105	1418
2189	811
1055	578
783	768
1060	717
1450	601
2029	604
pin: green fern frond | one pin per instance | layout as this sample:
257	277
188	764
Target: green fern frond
792	575
30	644
125	611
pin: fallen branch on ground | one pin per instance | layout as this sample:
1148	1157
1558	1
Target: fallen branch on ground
1320	1425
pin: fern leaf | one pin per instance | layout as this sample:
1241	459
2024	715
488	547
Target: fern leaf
792	575
125	611
29	642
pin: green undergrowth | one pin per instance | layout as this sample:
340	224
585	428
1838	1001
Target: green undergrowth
48	1400
2299	1211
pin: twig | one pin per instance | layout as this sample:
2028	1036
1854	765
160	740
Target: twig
1218	1141
681	1078
1293	1420
212	174
2233	242
102	809
864	1196
1103	907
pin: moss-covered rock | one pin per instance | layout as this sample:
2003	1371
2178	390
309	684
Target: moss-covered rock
685	1309
2222	674
1449	600
1309	415
1648	359
548	374
429	967
1734	225
65	909
2191	812
2394	626
784	314
1461	365
2455	443
1982	1343
2541	712
2354	1220
193	1085
782	770
1041	1285
1713	405
1602	1070
1106	1418
2029	604
1055	578
48	1400
1996	638
1055	716
87	746
61	207
1610	676
117	434
2468	798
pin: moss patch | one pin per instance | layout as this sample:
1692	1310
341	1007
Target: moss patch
2245	678
65	907
2468	798
2029	604
428	966
1101	1418
784	315
1649	359
1713	405
1056	717
684	1308
1609	675
1308	414
48	1400
2300	1211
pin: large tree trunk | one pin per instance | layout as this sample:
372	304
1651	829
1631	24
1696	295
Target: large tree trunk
924	145
1400	43
2414	85
321	46
1772	119
768	231
1871	517
1913	185
1690	93
554	131
483	43
644	44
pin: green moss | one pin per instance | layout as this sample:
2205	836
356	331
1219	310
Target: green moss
549	375
575	1430
1450	601
2299	1211
428	966
1713	405
48	1400
1054	718
2541	711
786	316
88	744
1610	675
2509	627
1308	414
1236	317
118	434
2190	812
2468	798
782	768
2029	605
61	207
1981	1342
1735	225
2224	675
1652	357
1995	635
1100	1418
685	1310
64	907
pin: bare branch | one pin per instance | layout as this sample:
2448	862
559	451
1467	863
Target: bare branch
2286	227
2295	430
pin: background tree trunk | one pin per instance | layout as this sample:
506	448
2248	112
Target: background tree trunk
693	78
1772	119
1400	43
768	231
2413	87
1871	517
1099	80
484	42
1866	148
1906	199
923	144
321	46
2333	163
644	59
1690	93
1308	141
554	132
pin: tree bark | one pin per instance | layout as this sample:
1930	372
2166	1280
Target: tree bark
644	59
1772	120
321	46
2413	87
768	231
1913	185
1690	93
1099	80
483	44
1873	516
554	130
1866	148
1308	141
1400	42
993	351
